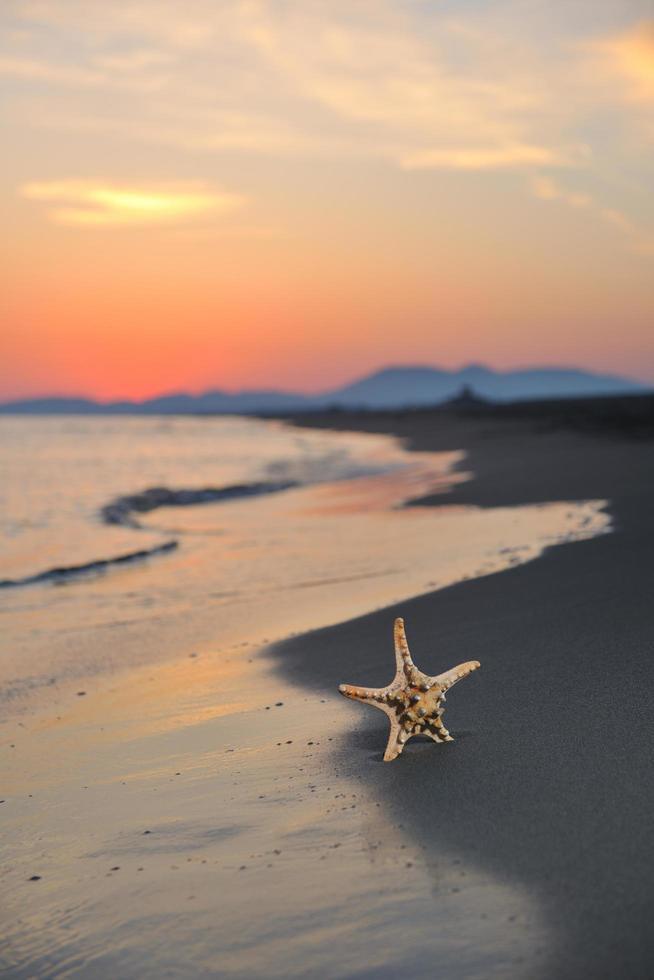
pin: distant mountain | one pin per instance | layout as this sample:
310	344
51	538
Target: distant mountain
211	402
222	402
405	386
393	387
48	406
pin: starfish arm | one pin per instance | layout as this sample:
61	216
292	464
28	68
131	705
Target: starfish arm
438	731
450	677
403	662
375	696
396	740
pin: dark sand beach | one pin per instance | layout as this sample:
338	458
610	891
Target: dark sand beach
549	783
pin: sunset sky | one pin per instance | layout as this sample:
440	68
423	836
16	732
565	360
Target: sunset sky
290	193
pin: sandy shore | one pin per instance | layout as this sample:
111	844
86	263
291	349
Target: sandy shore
549	786
227	814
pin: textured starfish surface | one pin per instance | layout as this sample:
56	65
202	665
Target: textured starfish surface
413	701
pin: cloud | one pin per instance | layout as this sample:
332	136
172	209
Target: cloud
638	240
511	156
628	58
131	73
32	69
470	88
103	204
388	80
448	97
548	190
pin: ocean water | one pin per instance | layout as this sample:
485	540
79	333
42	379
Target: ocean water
59	473
324	537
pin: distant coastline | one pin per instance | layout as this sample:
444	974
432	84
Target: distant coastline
393	387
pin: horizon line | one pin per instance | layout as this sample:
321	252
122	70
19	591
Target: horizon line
322	392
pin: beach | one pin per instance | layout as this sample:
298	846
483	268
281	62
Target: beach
557	792
207	804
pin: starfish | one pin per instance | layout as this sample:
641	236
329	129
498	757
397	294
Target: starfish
413	700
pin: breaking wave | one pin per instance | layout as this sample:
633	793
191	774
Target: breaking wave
66	572
121	511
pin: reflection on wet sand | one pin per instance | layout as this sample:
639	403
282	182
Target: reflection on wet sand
198	830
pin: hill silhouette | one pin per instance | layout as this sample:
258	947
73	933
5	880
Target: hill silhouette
392	387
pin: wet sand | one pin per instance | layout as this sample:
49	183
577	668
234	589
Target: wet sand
549	785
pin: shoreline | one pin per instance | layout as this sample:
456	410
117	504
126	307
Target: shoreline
548	784
251	567
483	853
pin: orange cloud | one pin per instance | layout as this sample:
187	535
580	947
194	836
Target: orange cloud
98	203
548	190
485	158
638	240
630	56
442	94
